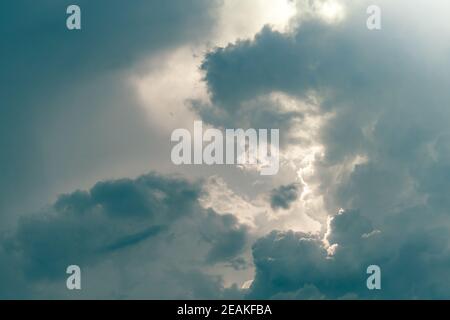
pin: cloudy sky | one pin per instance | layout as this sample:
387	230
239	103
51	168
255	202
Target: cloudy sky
86	118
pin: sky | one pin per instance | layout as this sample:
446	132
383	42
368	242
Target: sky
86	118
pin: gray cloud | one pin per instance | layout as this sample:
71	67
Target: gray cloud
387	92
154	216
133	239
295	265
283	196
388	96
227	237
51	80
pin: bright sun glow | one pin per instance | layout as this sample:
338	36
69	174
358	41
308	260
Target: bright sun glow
331	11
280	12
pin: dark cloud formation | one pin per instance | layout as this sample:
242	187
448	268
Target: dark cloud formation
316	63
298	266
261	112
228	239
283	196
148	237
388	96
113	35
133	239
51	82
348	69
153	220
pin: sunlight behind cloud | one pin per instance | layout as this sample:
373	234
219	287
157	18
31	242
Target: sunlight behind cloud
174	77
279	13
331	11
243	19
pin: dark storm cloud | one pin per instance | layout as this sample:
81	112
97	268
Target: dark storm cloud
388	95
153	213
51	79
243	70
283	196
389	99
227	237
316	60
133	239
284	261
113	35
295	265
83	223
148	195
262	112
347	68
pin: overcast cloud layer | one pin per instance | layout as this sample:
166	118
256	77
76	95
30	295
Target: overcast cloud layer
85	122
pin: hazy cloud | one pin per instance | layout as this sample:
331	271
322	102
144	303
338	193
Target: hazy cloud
153	215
